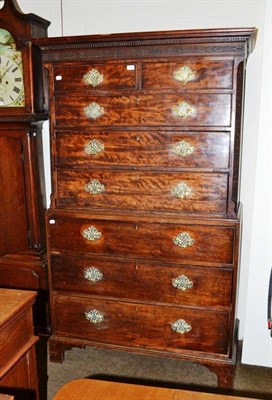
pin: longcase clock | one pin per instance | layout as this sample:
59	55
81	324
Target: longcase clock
22	112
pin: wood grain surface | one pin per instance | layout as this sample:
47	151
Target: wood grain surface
143	148
18	368
140	325
85	389
145	281
146	109
204	193
146	240
139	149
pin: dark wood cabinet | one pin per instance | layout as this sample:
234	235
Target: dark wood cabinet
18	369
23	262
144	225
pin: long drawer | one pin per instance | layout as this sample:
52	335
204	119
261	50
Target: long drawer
143	149
143	281
172	192
187	243
77	110
184	73
136	325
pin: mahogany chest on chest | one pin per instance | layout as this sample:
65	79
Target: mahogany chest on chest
143	229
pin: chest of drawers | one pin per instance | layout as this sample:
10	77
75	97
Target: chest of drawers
143	229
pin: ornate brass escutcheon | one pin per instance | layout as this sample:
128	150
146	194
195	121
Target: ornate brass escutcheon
181	190
95	187
182	148
183	240
93	77
94	147
93	274
181	326
94	316
92	234
182	282
183	110
93	110
184	74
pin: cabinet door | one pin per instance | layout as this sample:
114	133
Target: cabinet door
13	221
21	380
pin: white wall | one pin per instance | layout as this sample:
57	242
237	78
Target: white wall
108	16
257	342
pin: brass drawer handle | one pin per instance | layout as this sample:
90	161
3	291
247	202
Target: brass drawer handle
93	77
183	240
91	234
94	316
93	274
184	74
182	282
181	326
181	190
182	148
94	147
183	109
93	110
95	187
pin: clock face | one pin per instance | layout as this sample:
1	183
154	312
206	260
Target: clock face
11	83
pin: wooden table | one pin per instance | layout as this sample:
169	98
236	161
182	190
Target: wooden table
90	389
18	370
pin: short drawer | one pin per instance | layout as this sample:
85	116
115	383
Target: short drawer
33	277
186	243
143	109
137	325
188	74
137	190
143	281
143	149
87	77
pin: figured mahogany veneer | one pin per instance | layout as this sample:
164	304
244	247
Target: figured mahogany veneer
153	191
153	149
143	229
210	74
146	109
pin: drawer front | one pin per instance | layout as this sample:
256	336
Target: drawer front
187	74
182	192
86	77
15	334
183	74
138	325
33	277
184	242
146	109
167	283
144	149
